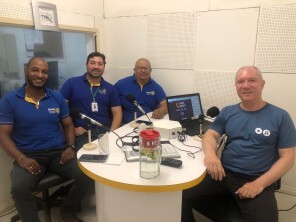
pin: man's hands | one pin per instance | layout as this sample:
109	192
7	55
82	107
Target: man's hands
214	167
157	114
67	155
30	165
79	131
33	167
249	190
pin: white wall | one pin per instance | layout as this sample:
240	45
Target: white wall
202	38
194	46
197	46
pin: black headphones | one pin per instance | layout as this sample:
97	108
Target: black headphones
181	137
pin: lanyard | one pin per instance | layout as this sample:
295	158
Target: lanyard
92	93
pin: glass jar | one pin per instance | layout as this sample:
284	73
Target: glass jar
150	156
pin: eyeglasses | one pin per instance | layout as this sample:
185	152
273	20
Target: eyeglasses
141	68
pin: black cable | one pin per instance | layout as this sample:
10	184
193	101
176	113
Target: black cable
125	136
148	118
181	138
189	153
193	153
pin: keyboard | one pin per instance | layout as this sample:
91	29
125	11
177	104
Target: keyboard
168	151
130	154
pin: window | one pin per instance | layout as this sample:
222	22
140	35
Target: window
65	52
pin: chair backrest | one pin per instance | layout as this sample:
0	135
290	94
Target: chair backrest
221	144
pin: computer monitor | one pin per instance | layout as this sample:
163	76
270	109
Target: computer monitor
184	107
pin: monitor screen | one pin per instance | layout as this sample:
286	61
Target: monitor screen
184	107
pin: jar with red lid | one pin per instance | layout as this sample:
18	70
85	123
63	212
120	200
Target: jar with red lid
150	156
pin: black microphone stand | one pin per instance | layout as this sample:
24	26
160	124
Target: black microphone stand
200	120
148	118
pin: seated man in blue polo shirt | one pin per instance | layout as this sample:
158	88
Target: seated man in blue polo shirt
146	92
95	98
30	120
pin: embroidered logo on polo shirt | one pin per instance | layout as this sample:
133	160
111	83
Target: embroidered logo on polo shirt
103	91
152	93
54	110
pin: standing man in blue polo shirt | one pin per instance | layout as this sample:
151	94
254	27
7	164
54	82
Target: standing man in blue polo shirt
149	94
30	120
95	98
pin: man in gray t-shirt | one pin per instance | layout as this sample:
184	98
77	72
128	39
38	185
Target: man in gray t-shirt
260	149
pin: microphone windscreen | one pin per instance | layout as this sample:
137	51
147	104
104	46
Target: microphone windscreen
75	113
131	98
213	111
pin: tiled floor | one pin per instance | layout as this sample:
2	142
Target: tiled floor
88	213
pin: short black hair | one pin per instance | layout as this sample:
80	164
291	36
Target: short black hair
96	54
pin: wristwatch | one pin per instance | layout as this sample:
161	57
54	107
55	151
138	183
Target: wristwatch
71	146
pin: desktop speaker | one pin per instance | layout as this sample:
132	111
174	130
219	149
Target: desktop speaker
168	129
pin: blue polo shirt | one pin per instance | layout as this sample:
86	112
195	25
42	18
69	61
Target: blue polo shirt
77	91
34	128
149	97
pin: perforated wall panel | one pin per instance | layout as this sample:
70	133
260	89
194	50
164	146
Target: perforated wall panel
276	42
216	88
170	40
17	11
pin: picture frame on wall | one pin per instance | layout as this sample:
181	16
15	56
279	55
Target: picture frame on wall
45	16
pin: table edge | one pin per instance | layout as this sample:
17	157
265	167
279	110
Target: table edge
142	188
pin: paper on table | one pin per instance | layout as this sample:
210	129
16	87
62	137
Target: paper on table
115	159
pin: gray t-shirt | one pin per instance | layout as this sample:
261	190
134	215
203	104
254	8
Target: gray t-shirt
254	137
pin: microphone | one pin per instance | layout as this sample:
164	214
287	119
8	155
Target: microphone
131	98
75	113
213	111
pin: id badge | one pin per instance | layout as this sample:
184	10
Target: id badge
94	107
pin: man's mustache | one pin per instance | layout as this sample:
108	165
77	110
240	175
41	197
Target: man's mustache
96	70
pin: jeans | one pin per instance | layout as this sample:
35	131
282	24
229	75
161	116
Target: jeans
263	208
23	183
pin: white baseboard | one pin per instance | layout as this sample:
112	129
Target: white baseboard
6	207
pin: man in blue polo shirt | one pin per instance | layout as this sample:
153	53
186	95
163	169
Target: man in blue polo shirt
30	133
95	98
147	93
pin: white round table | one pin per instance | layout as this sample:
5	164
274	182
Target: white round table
123	196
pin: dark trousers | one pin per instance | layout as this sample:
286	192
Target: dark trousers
23	182
263	208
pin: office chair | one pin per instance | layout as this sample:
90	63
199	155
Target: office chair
221	208
47	201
